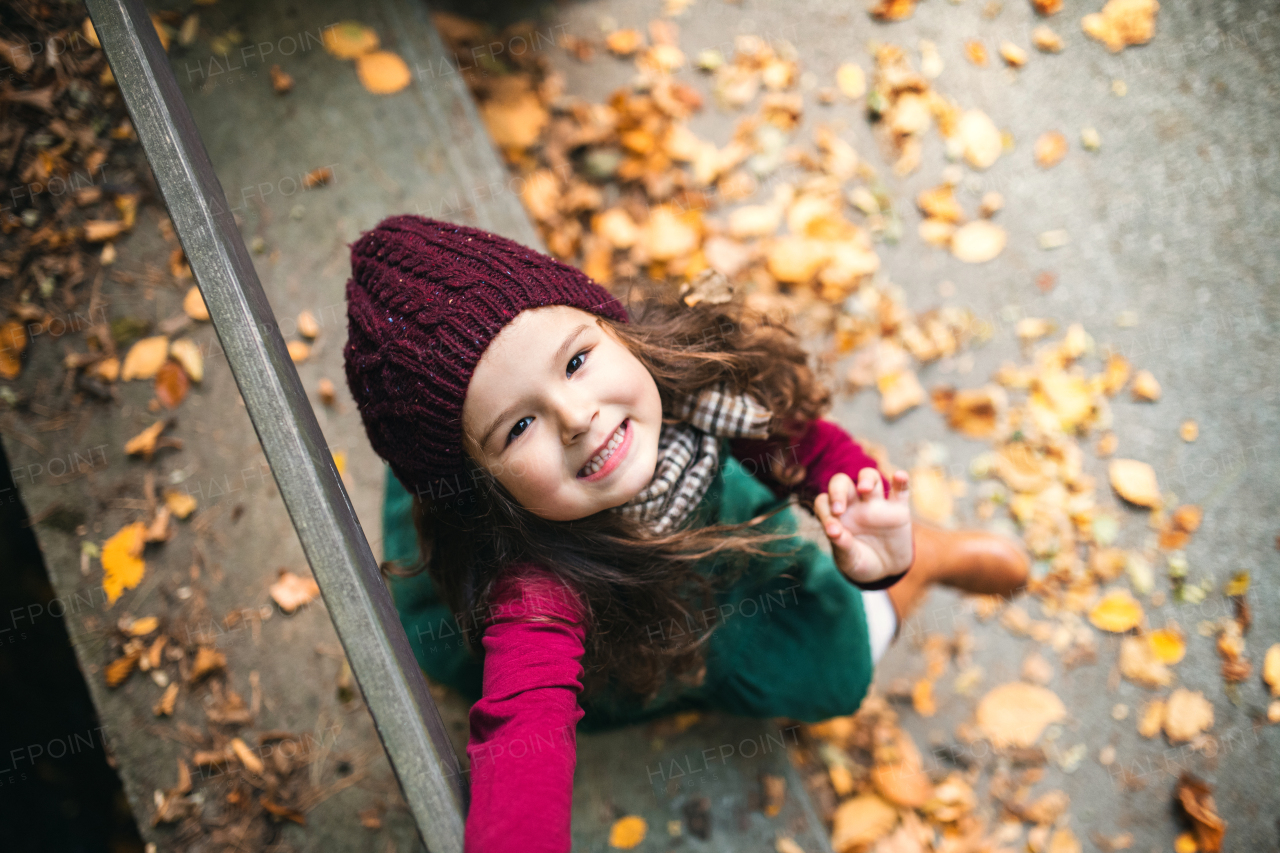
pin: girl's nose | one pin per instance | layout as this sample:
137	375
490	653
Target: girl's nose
576	415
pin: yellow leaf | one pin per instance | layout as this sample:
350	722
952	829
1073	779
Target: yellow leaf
1015	714
13	340
145	625
1135	482
180	504
1168	645
145	358
349	39
860	822
122	563
193	305
383	72
1118	611
627	832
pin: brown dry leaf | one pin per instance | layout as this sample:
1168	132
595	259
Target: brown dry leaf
1116	374
122	563
145	358
1152	719
1122	23
903	781
317	177
514	115
1196	799
1014	56
282	811
328	393
861	821
931	496
1050	148
624	42
180	504
1138	663
247	757
940	203
922	698
1189	431
1187	517
164	707
187	353
144	443
299	351
13	341
976	52
1135	482
1271	669
1047	7
158	530
308	326
892	10
1015	714
101	230
627	832
291	591
193	305
1046	40
142	626
172	384
978	242
120	668
383	72
1186	714
671	233
1168	645
974	412
349	39
1107	444
207	662
1145	387
281	81
1021	468
1047	808
899	392
1117	612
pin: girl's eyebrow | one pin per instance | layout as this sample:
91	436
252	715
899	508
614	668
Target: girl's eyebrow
555	359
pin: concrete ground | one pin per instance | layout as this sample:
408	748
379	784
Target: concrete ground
1171	220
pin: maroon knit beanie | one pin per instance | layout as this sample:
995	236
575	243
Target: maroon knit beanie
425	299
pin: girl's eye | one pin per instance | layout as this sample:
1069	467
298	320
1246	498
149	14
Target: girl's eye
517	429
582	355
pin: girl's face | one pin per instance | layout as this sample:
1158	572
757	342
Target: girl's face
562	414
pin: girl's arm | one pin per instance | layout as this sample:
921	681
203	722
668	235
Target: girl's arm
824	449
523	746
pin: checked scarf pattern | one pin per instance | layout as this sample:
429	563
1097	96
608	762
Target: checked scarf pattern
689	454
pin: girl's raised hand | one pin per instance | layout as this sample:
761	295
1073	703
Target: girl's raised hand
870	534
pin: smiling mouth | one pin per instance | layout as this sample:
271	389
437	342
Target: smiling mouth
601	459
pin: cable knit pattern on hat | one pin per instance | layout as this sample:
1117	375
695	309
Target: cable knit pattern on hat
425	299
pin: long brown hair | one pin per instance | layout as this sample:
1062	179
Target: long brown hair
631	583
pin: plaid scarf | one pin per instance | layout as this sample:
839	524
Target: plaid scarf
689	454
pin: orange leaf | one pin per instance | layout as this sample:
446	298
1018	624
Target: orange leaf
172	384
1118	611
122	563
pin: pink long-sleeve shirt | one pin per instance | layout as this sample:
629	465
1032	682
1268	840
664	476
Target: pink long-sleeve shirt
523	745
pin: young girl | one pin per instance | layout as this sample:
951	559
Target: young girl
601	506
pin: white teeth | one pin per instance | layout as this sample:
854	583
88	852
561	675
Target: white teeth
597	462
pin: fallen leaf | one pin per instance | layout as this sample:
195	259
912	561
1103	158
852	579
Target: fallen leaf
187	353
1047	808
899	392
861	821
120	668
247	757
1196	799
922	698
1064	841
1046	40
1152	719
308	326
1047	7
931	496
142	626
164	707
1015	714
774	793
976	52
282	811
1138	663
281	81
122	563
383	72
299	351
1122	23
1145	387
627	832
1050	148
1271	669
291	591
1186	843
980	138
902	781
193	305
1116	374
1186	714
349	39
328	393
144	443
1135	482
317	177
1117	612
158	530
180	504
1187	517
1168	645
851	80
978	242
1189	431
101	230
974	412
172	384
515	117
145	358
1014	56
13	341
624	42
207	662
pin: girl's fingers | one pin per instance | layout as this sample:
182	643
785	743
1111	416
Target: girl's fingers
869	484
900	487
831	525
841	490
